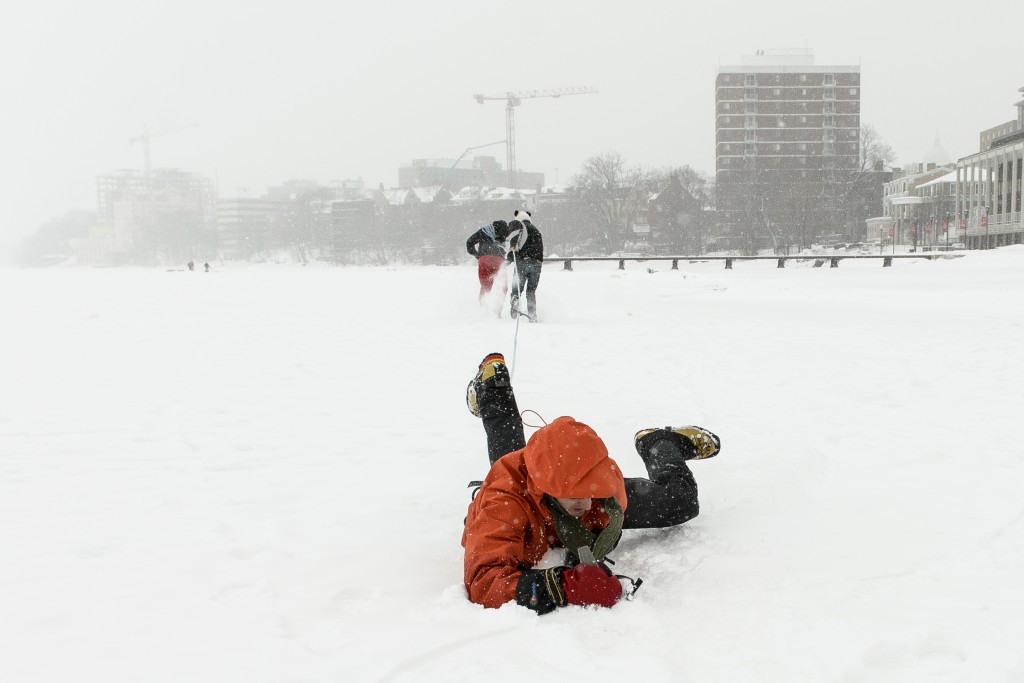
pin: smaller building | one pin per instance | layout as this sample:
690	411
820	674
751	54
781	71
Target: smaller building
914	205
246	226
456	173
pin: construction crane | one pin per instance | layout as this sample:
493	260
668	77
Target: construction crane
513	100
146	136
448	176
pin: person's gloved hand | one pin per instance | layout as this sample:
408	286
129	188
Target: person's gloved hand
543	590
590	584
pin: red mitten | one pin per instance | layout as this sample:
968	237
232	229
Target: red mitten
588	584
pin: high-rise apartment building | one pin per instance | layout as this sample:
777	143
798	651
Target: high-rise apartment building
787	148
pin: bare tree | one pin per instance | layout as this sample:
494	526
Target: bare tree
875	153
611	196
858	193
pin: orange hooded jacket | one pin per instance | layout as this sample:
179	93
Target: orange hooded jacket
508	525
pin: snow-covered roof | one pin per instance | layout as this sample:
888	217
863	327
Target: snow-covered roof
395	197
968	173
426	194
507	193
948	178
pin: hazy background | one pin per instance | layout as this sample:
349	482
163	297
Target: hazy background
327	91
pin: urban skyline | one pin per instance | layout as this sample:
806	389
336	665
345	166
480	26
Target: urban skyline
359	91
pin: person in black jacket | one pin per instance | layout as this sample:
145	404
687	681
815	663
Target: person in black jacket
526	251
487	246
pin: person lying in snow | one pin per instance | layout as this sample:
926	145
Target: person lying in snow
561	489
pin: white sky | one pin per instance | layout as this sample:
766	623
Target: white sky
325	91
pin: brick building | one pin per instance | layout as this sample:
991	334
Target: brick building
787	149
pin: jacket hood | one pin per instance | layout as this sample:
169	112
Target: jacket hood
567	459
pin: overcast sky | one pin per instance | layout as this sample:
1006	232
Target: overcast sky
330	90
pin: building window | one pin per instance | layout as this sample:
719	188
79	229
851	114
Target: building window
726	119
853	92
829	79
780	122
750	93
803	146
726	106
776	91
725	161
750	122
803	119
725	147
749	80
830	93
803	78
777	147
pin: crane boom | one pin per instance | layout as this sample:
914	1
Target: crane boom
146	136
513	100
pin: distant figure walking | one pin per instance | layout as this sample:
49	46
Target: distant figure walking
191	265
206	267
526	251
486	245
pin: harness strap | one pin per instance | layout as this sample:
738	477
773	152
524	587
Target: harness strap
574	535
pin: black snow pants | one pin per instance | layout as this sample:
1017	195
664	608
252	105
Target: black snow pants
667	498
525	279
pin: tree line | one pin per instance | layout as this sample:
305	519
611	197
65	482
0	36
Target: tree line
609	206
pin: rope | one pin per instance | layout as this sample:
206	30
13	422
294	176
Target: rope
522	418
519	298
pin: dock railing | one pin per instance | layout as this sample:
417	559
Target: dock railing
819	260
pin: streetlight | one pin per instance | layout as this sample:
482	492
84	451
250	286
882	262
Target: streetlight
945	229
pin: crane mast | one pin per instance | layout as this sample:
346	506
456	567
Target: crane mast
513	100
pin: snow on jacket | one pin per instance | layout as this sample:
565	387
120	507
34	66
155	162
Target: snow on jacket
485	242
528	244
508	526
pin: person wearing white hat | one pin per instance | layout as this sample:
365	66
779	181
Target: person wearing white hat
526	251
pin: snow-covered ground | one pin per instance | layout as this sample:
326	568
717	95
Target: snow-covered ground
259	474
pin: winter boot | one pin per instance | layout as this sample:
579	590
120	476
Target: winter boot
491	385
531	305
695	443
